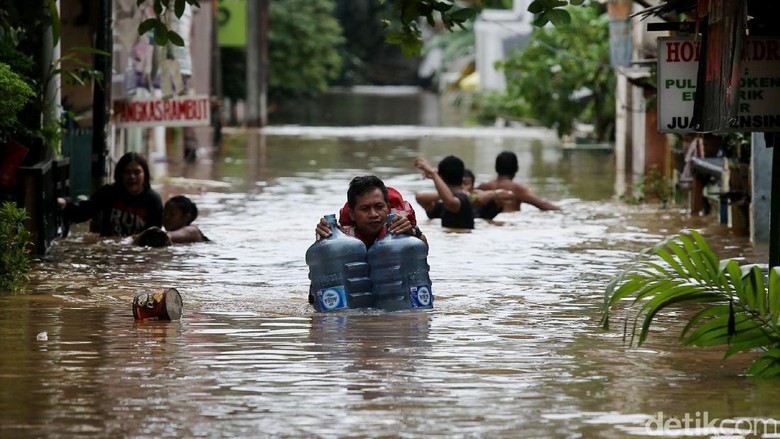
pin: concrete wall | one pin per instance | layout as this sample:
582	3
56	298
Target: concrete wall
497	32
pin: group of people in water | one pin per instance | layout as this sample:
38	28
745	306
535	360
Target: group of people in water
455	201
130	207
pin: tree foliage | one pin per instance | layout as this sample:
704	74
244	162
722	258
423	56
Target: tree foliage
303	46
363	35
552	11
303	51
564	76
14	247
736	306
403	27
405	31
15	93
160	23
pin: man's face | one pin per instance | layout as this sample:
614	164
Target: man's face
370	212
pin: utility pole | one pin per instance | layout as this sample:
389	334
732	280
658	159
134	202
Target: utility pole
101	93
256	63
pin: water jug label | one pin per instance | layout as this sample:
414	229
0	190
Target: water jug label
421	296
332	298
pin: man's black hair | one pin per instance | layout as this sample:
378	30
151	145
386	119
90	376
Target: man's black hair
363	184
506	164
467	173
451	170
186	206
124	162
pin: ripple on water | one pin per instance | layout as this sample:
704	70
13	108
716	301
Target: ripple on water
513	347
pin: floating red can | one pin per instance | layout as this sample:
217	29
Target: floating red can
162	304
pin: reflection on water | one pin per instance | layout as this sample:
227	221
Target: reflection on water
513	348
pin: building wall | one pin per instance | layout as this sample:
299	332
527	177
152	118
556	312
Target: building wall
497	32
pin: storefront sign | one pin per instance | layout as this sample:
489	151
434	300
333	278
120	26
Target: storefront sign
759	85
180	111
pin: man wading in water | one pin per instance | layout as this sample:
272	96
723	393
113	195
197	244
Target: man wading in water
368	204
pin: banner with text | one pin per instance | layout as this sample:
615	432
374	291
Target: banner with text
759	85
180	111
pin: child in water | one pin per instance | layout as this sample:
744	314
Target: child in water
178	214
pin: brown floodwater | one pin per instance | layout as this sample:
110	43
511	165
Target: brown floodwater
512	349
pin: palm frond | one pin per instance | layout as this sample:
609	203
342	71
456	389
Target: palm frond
740	305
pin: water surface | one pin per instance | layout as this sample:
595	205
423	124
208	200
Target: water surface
512	349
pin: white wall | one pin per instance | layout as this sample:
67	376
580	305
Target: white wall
496	33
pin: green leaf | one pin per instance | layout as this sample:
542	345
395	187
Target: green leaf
673	296
541	21
767	365
536	7
716	331
774	294
745	293
685	260
410	12
658	287
661	270
749	340
714	328
663	254
735	277
148	25
463	14
178	8
754	286
629	287
160	34
411	47
175	39
394	37
706	273
158	7
705	249
707	313
443	5
576	2
559	17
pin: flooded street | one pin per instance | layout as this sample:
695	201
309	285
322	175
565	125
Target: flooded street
512	349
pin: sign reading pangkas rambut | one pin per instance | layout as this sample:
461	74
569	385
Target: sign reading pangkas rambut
759	84
179	111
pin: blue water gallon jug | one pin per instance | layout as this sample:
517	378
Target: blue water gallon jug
399	272
338	271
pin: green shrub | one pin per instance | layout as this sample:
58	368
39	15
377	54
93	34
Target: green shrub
14	247
14	95
652	187
732	305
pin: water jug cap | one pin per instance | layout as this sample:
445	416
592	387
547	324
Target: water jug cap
330	217
389	220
